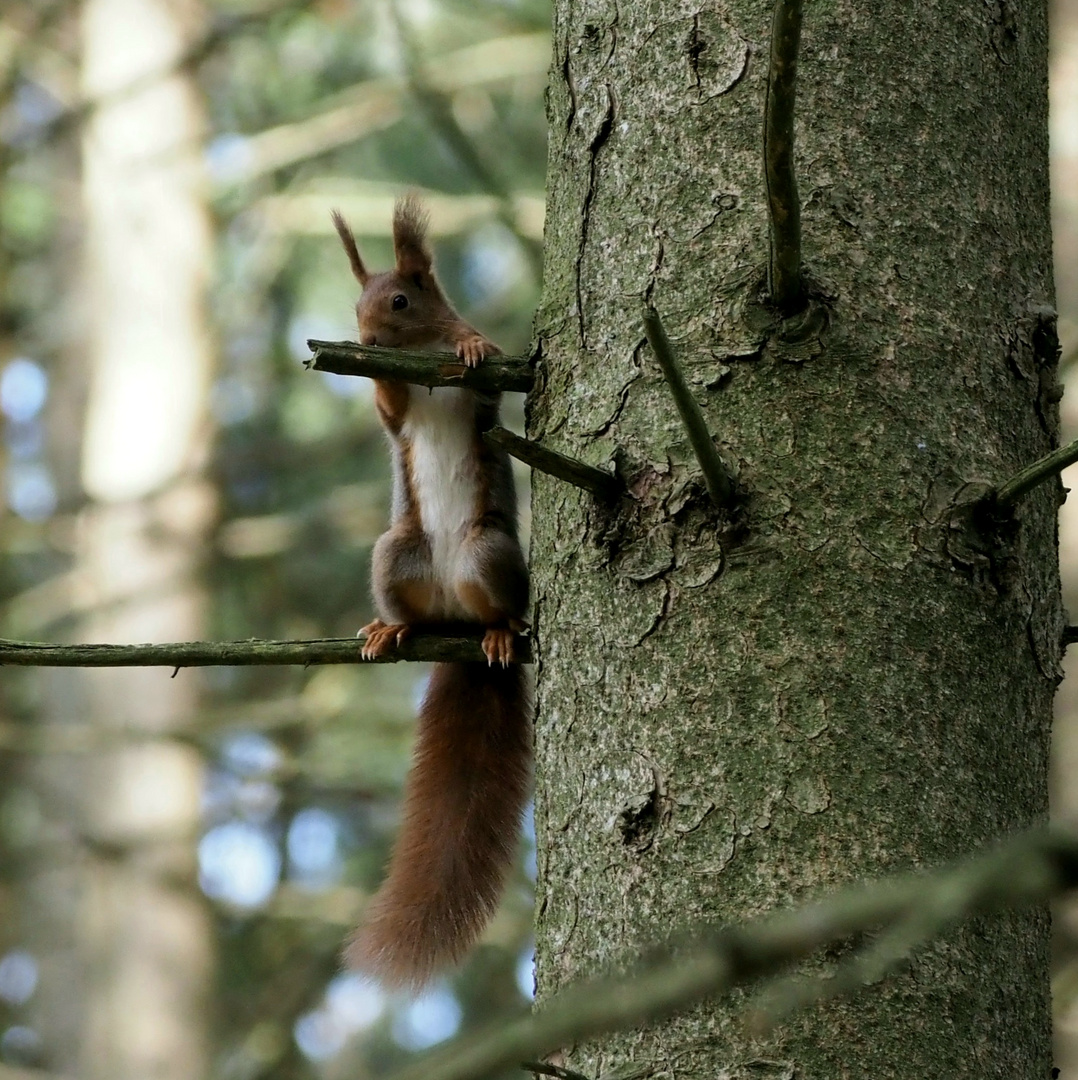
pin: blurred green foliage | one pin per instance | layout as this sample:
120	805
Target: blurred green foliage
299	468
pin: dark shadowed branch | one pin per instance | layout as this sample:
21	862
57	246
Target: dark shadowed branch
1022	483
424	369
1029	869
601	484
719	485
784	275
420	646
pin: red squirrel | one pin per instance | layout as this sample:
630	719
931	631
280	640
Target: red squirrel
451	554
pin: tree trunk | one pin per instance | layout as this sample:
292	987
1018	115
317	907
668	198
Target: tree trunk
853	672
144	947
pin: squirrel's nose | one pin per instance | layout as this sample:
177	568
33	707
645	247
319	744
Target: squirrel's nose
368	339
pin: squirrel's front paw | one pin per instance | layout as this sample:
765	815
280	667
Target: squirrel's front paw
474	348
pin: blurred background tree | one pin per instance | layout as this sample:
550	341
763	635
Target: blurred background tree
181	859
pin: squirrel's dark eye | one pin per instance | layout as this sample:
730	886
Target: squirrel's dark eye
400	302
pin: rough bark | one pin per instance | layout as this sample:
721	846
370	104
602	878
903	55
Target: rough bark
853	673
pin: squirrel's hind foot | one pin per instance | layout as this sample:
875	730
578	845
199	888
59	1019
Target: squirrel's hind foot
381	637
498	646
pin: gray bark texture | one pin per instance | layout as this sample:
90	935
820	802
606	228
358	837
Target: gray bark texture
853	672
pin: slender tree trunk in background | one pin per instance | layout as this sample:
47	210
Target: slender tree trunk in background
143	956
850	677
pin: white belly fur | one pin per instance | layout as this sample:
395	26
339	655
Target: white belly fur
440	426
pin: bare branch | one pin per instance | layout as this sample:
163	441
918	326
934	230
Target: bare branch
1030	869
1022	483
422	368
601	484
425	647
784	274
719	484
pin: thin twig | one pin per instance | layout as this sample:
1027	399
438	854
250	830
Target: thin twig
424	369
601	484
1030	869
784	274
1022	483
420	646
719	485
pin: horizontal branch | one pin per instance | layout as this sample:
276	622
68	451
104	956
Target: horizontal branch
601	484
1023	482
436	648
719	485
423	368
1030	869
784	278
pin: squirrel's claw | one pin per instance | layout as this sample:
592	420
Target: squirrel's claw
381	637
498	647
474	348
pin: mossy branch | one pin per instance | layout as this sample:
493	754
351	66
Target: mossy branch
425	647
784	273
1030	869
422	368
1032	476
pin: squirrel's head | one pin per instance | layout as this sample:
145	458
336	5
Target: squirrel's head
402	308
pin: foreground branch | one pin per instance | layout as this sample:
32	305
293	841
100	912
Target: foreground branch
1030	869
784	276
424	369
437	648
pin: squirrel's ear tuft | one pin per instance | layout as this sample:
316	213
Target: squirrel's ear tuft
410	222
350	249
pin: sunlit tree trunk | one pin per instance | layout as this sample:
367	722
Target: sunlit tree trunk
144	936
851	674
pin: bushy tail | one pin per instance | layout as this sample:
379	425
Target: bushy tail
463	802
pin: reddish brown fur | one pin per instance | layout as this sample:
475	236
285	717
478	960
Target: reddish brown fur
410	224
462	807
359	271
474	597
391	403
428	319
470	777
